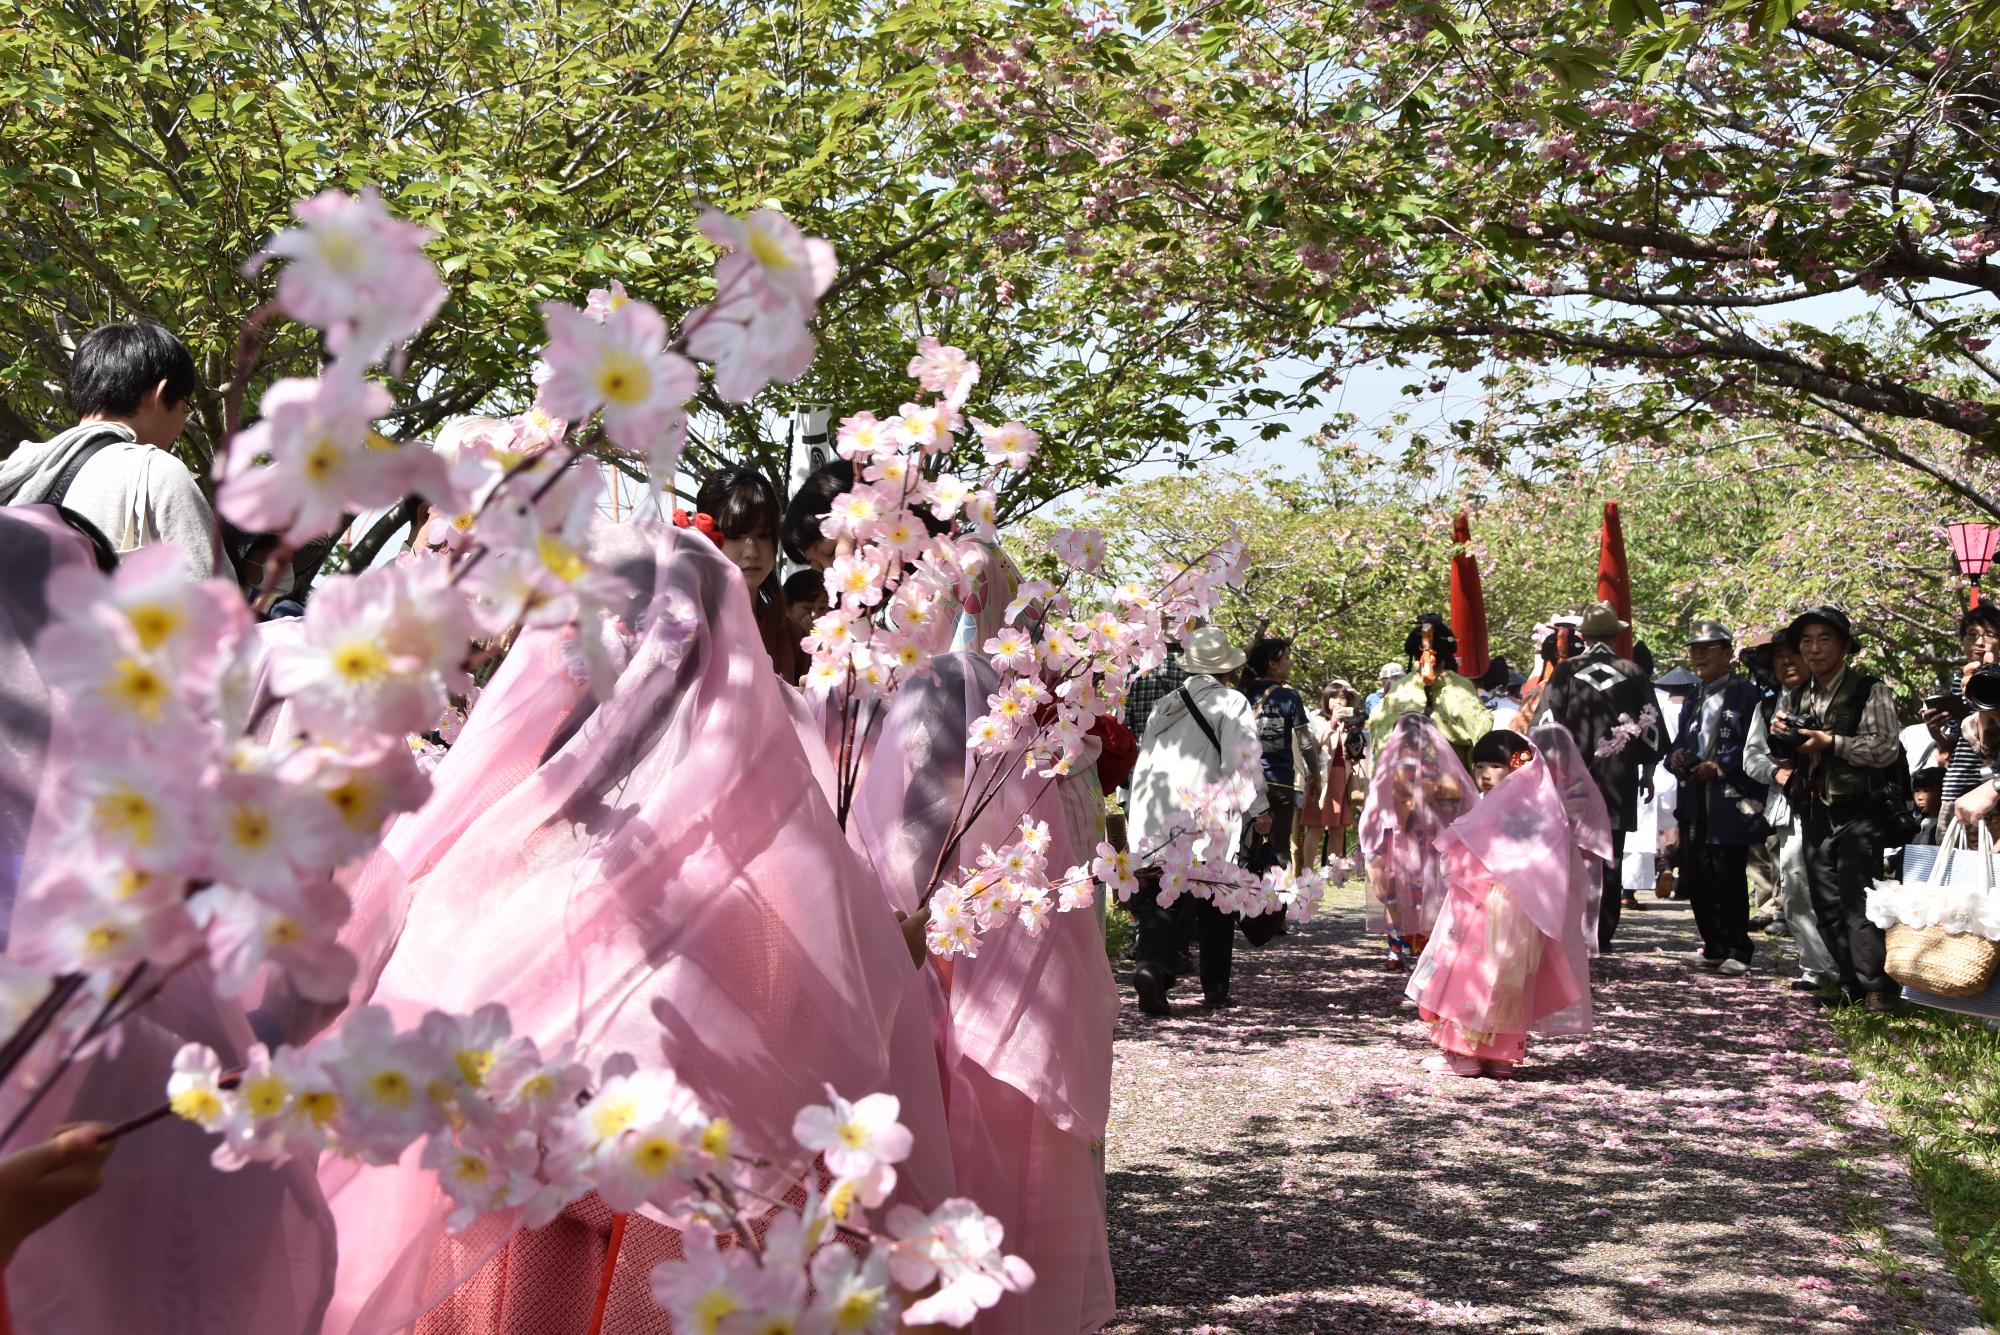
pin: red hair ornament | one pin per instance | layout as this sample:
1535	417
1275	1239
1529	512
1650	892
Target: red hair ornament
705	524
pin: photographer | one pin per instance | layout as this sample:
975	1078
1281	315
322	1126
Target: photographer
1816	969
1837	730
1965	769
1721	806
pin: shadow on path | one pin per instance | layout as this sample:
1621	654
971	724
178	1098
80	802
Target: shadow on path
1289	1165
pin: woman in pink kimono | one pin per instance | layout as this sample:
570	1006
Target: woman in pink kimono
1023	1028
658	874
1509	954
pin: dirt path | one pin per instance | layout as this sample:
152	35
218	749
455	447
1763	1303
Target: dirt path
1704	1161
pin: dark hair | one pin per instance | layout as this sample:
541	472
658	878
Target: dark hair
1495	677
805	586
1642	655
1443	642
1499	747
1930	776
744	504
1264	655
1560	644
811	503
1986	614
116	364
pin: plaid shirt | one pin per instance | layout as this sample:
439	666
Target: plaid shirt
1149	688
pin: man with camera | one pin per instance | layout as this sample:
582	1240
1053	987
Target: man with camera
1837	732
1720	808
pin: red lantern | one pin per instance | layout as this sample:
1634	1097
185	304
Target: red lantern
1973	546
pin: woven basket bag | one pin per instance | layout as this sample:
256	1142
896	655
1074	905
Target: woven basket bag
1950	964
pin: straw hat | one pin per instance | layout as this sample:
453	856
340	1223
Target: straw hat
1601	622
1210	651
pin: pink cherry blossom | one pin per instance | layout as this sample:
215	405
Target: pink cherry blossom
770	258
945	370
293	932
354	675
958	1246
325	459
623	368
860	1141
356	272
1010	443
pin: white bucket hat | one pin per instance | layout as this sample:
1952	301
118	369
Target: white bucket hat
1210	651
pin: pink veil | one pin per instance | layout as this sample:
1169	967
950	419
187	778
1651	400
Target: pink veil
1027	1025
668	882
168	1244
1419	787
34	542
1589	818
1517	842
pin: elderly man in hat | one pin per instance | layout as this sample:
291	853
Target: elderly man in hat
1839	729
1607	704
1387	677
1721	808
1189	735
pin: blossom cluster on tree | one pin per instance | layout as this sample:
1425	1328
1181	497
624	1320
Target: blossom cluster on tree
556	146
1647	197
1748	527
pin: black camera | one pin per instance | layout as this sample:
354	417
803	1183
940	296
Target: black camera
1982	688
1356	741
1787	731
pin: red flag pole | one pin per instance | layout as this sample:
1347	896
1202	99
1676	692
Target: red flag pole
1614	577
1468	603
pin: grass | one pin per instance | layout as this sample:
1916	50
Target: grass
1938	1075
1118	931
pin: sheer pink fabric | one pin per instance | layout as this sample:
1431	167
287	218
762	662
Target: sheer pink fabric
1025	1026
1507	956
1418	789
34	542
668	882
1589	819
169	1244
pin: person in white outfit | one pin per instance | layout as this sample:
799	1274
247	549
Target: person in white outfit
129	385
1188	736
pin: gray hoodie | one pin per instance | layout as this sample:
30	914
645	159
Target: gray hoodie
136	495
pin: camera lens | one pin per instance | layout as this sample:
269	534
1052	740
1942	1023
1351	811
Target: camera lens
1982	689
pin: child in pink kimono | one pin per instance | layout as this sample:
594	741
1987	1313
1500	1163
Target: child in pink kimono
1509	952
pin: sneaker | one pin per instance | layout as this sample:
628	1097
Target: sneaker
1732	968
1697	960
1451	1063
1150	982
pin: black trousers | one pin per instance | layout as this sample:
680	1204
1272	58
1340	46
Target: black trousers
1843	847
1214	930
1612	905
1717	877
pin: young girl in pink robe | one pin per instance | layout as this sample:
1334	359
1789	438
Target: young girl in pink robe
1509	954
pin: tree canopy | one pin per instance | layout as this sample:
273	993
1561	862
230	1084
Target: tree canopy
1745	529
1649	194
153	145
